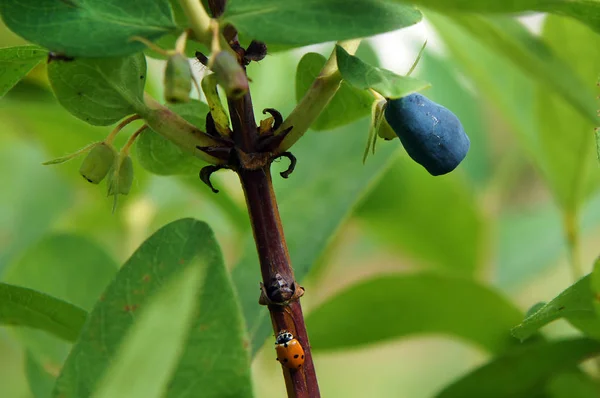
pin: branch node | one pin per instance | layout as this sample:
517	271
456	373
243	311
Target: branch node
280	292
270	143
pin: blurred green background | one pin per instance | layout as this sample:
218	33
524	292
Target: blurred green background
499	218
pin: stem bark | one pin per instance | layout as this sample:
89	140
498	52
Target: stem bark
274	259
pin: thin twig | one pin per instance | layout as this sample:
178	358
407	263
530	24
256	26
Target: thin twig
111	137
315	99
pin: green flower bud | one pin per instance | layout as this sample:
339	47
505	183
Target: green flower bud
178	79
230	74
121	179
98	162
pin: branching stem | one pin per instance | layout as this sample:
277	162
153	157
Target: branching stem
281	290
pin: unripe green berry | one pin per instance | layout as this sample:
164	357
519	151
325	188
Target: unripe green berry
178	79
121	179
98	162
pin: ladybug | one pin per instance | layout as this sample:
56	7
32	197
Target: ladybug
289	351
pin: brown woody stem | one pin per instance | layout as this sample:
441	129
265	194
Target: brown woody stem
274	259
275	265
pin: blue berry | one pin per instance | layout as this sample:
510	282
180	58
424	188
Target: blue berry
431	134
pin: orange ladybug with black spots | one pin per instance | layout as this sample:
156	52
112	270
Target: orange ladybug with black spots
289	351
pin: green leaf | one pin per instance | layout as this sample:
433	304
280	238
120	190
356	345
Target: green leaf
575	304
529	239
448	89
573	383
83	268
348	103
26	307
88	28
498	80
339	152
214	361
160	156
99	91
385	82
565	135
297	23
585	10
435	219
27	210
511	39
422	303
16	62
521	372
40	382
155	342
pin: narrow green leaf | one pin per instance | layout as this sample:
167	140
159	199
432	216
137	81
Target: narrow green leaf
441	225
498	79
20	306
100	91
154	343
585	10
377	116
392	307
565	135
574	304
83	268
364	76
40	382
296	23
88	28
449	89
595	285
16	63
214	361
511	39
348	103
339	152
521	372
160	156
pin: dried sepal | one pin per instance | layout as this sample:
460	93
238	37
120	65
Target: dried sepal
70	156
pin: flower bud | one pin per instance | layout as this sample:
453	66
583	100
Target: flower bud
98	162
230	74
178	79
121	179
